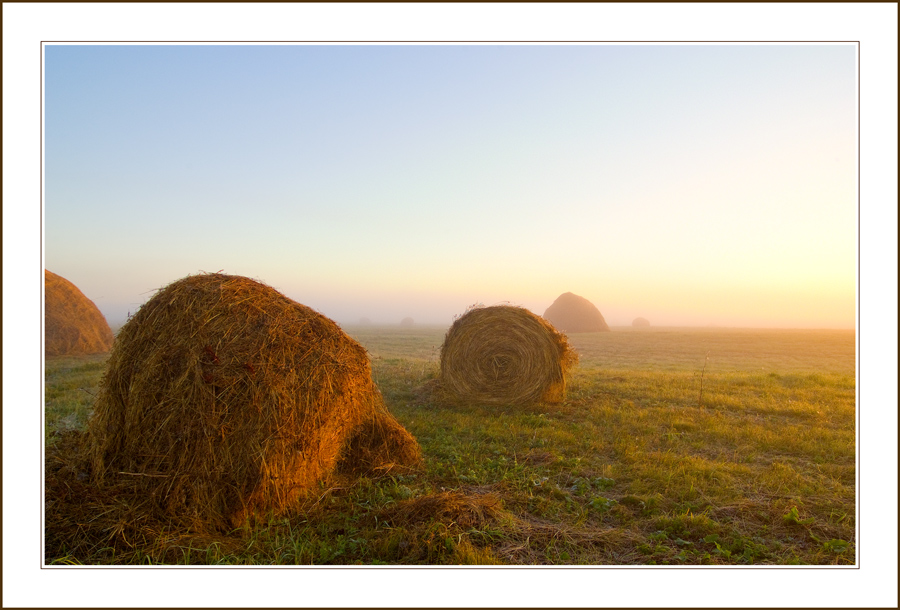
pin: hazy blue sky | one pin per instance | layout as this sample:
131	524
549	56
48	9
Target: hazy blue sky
691	185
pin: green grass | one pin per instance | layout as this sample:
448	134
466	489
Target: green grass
635	467
70	386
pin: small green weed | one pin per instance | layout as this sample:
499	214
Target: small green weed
836	546
793	516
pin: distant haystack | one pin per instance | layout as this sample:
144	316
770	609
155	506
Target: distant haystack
504	355
365	322
640	322
407	322
571	313
72	323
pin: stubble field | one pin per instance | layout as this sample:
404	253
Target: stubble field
674	446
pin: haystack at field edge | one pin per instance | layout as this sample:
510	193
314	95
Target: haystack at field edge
72	322
631	466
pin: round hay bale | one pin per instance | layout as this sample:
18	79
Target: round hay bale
504	355
72	323
571	313
224	399
407	322
642	322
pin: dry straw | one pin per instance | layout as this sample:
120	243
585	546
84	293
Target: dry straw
72	323
467	510
225	400
504	355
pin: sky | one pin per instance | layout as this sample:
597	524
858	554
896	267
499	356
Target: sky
692	185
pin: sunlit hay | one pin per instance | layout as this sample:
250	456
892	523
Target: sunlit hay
72	323
641	322
466	553
225	400
380	445
504	355
448	507
571	313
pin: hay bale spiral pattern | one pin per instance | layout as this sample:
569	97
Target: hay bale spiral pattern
504	355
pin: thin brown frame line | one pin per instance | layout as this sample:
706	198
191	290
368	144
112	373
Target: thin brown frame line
460	41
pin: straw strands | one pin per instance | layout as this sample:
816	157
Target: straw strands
224	400
504	355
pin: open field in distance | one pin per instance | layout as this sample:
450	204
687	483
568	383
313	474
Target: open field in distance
658	348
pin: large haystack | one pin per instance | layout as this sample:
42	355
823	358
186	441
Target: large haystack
72	323
504	355
224	399
640	322
571	313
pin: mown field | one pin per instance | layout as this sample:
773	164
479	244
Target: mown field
674	447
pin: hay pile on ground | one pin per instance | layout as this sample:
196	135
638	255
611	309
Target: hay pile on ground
468	511
571	313
72	323
443	526
225	400
504	355
642	322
